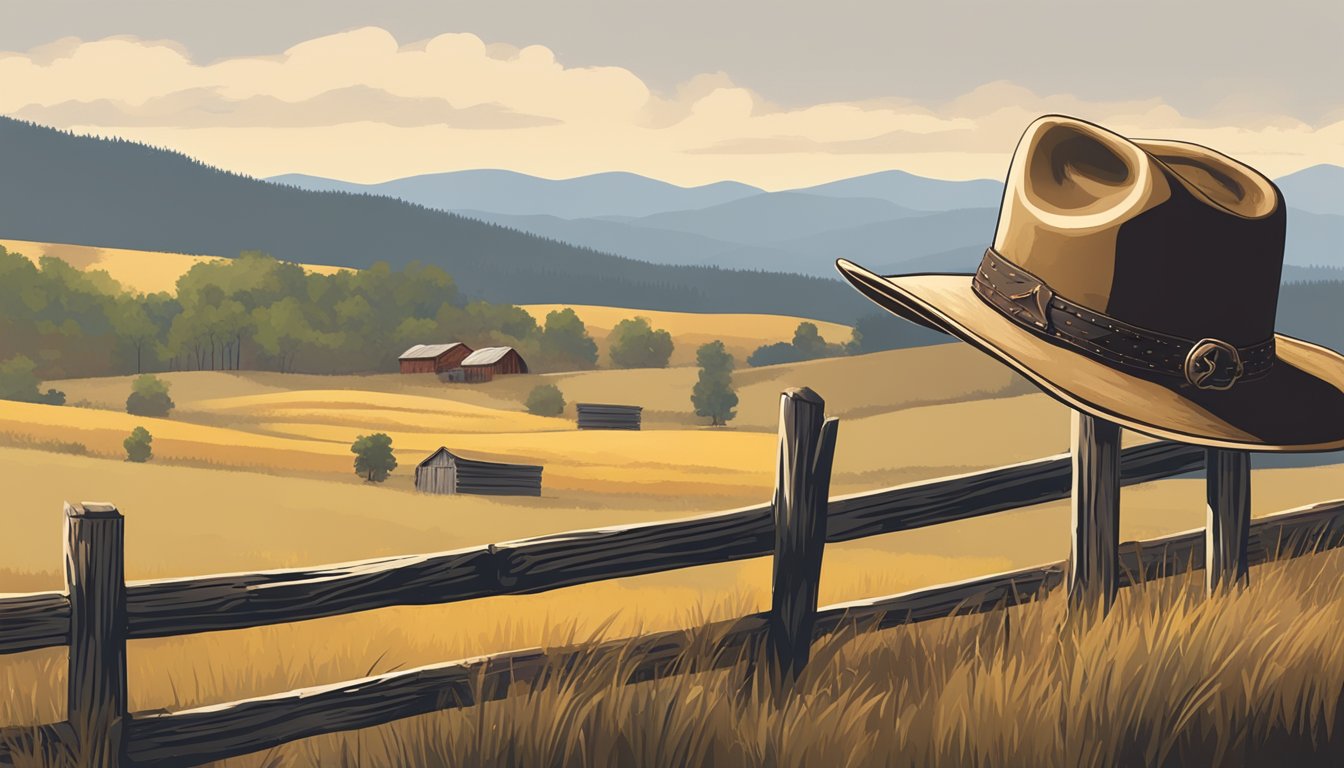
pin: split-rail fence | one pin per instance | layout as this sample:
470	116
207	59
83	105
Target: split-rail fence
99	611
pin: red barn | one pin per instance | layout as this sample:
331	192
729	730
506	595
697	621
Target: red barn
434	358
484	364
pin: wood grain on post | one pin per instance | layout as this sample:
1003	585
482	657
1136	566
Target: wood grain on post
96	580
802	485
1094	559
1228	490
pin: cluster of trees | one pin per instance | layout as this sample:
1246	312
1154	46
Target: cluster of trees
807	344
252	312
635	343
873	332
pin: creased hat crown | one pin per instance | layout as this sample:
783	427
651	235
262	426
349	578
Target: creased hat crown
1163	235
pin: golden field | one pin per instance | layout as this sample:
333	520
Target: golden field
143	271
253	471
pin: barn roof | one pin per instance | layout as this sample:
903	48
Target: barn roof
487	355
430	457
477	462
427	351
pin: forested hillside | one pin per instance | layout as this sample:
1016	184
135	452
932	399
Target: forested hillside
58	187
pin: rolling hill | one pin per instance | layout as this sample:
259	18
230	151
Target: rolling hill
1318	189
508	192
58	187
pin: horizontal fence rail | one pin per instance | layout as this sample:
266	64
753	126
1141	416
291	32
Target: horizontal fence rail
170	607
219	731
38	620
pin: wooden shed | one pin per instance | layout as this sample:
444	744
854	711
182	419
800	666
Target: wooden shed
445	472
606	416
433	358
488	362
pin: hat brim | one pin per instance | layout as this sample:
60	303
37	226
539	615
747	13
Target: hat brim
1297	406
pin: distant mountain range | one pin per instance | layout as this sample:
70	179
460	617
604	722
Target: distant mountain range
58	187
624	240
891	221
1318	189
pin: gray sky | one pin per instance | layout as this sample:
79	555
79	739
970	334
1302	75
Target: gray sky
1280	56
778	94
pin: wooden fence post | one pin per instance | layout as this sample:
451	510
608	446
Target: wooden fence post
1094	561
802	489
96	581
1228	490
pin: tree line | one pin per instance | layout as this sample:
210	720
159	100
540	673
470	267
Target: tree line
257	312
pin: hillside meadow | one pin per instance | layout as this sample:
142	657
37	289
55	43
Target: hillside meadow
141	271
253	471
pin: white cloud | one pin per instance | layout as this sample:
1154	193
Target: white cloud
358	105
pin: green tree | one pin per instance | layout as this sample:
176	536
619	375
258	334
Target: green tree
373	457
137	445
713	395
774	354
807	340
634	343
18	381
546	400
565	343
149	397
135	328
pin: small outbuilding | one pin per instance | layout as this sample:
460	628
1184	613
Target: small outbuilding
488	362
433	358
606	416
445	472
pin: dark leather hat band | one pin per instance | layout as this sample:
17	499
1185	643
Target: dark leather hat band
1202	363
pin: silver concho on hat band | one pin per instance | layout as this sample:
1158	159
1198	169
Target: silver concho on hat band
1213	364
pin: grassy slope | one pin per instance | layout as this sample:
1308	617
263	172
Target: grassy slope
901	421
145	271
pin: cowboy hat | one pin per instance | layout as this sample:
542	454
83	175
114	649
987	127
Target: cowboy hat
1137	280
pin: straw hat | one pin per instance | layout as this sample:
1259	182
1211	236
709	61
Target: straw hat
1137	280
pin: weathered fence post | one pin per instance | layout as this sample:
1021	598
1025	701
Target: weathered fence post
1228	491
802	488
1094	561
96	581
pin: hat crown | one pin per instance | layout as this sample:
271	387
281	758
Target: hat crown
1163	235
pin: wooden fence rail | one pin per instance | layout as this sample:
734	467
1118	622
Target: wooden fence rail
100	611
218	731
168	607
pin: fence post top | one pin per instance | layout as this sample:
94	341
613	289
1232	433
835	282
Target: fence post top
803	393
92	509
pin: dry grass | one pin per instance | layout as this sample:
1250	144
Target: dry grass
1168	679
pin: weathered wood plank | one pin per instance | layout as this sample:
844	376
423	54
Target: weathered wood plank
95	577
1093	559
32	621
947	499
1228	493
802	480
